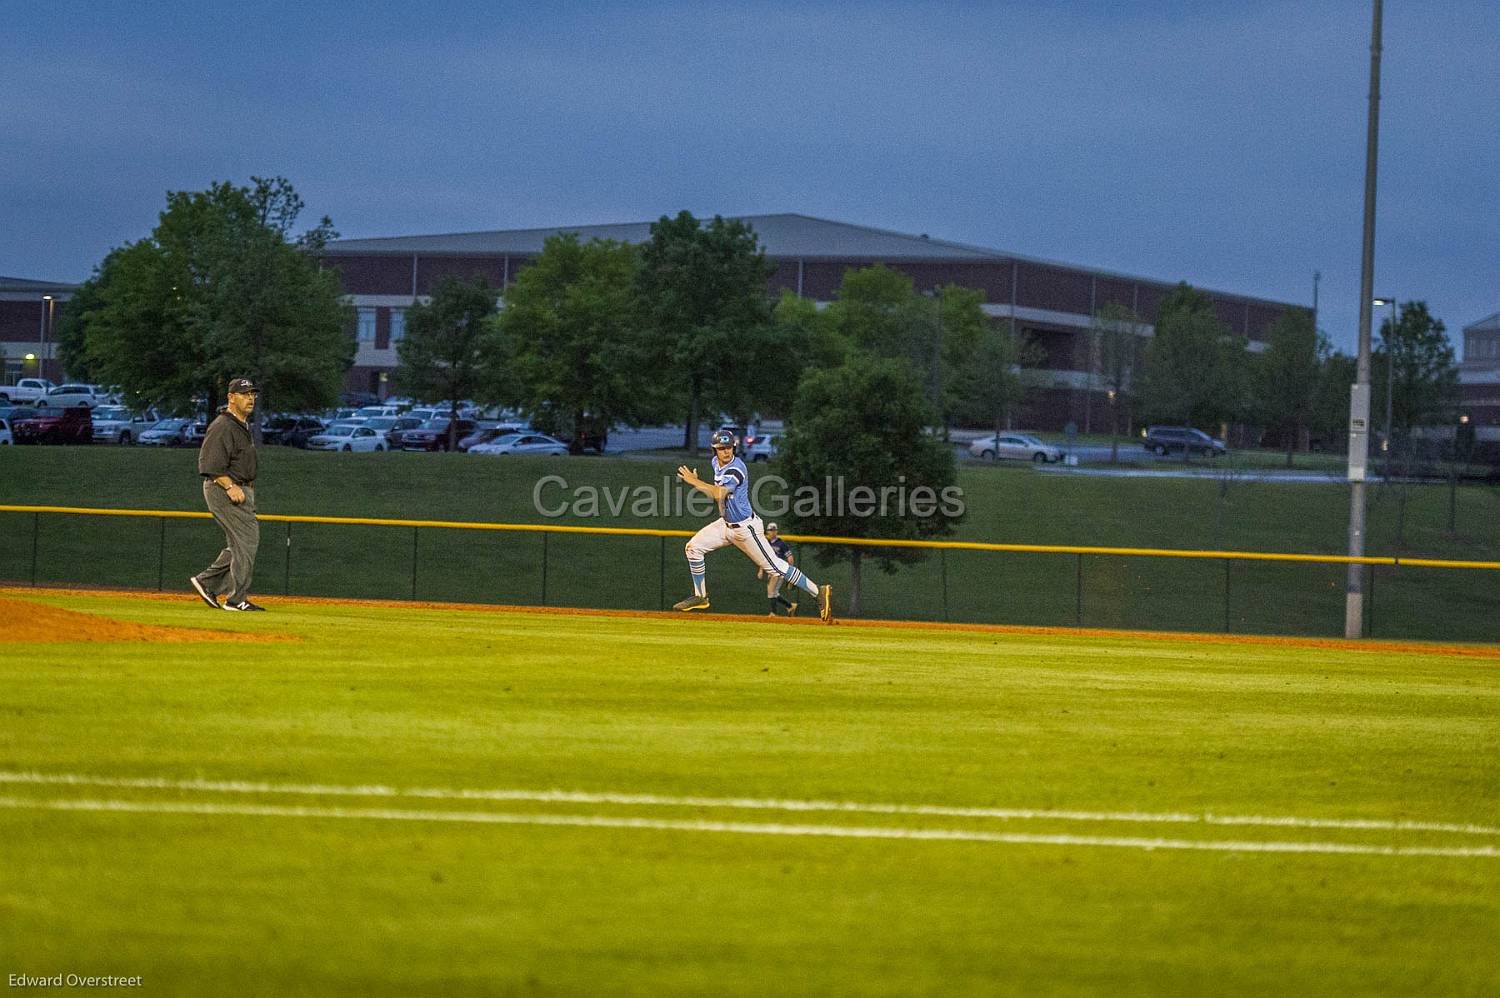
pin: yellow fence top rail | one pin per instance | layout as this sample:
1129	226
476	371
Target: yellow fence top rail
557	528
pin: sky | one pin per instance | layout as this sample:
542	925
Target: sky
1221	143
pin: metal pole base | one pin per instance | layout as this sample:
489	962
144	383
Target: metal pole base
1354	616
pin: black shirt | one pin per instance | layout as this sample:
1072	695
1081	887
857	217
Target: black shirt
781	547
228	449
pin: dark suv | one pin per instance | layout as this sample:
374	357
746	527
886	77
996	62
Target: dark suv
1166	439
55	425
433	434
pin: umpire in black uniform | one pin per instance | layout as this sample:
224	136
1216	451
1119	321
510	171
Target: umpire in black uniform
227	463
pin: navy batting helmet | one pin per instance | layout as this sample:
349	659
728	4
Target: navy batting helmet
722	438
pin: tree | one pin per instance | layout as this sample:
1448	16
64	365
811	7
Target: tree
938	333
219	289
1287	376
1425	375
1330	410
453	349
580	353
1120	338
987	381
703	292
864	426
1195	367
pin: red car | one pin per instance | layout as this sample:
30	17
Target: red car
52	425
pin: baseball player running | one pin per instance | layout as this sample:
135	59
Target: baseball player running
738	525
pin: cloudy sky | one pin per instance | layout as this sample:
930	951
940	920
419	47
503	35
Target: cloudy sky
1218	143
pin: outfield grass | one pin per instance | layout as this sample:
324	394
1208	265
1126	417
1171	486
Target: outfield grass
1006	504
336	900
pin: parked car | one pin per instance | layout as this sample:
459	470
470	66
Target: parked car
521	443
171	432
386	425
75	394
55	425
6	439
433	434
765	448
746	435
290	431
15	413
116	424
26	390
484	433
348	438
1015	447
1162	440
371	411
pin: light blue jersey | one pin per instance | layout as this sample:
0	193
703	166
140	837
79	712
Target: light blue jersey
735	480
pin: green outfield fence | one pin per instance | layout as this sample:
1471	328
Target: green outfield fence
605	567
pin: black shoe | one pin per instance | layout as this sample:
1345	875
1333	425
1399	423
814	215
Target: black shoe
204	594
243	604
692	603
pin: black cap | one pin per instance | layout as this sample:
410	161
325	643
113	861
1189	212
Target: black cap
722	438
243	386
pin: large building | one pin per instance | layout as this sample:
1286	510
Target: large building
28	318
1054	302
1479	376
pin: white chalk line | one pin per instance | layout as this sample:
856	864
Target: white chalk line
741	828
736	803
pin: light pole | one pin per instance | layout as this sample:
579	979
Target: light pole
1390	367
1359	394
46	328
936	295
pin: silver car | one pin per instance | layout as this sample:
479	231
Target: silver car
1010	446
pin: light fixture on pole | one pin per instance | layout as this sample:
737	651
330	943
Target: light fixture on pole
46	333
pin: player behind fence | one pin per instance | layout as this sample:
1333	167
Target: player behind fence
782	550
738	525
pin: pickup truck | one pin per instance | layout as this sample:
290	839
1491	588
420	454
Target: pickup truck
73	425
26	390
116	424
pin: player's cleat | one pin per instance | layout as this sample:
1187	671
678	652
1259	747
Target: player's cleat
243	604
825	604
791	611
203	594
692	603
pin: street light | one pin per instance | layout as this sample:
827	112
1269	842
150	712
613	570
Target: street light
936	294
1390	367
46	331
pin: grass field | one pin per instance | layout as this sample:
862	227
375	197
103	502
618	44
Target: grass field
397	800
1006	504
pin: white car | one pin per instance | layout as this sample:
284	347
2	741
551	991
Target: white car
5	436
167	433
348	438
26	390
116	424
1015	447
521	443
372	411
765	448
75	394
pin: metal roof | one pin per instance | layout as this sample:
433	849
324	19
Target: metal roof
1484	325
26	284
786	235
